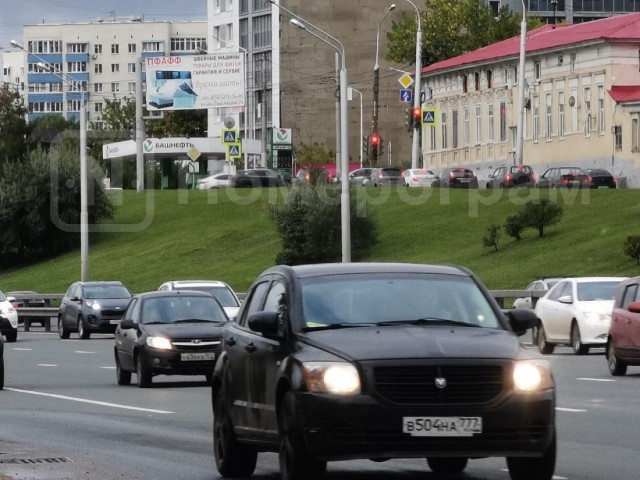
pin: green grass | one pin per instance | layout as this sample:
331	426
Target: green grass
227	235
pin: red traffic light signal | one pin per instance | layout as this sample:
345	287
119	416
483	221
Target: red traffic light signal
417	117
375	140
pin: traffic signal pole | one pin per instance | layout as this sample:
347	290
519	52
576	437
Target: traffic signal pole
376	91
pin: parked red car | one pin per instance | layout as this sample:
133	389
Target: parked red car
623	343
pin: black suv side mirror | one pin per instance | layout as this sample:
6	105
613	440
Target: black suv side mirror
127	324
521	319
266	323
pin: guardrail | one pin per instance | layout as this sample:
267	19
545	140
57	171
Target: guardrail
43	315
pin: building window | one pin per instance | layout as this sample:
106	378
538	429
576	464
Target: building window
244	33
76	67
97	48
76	48
537	68
260	5
115	48
587	112
97	107
464	84
601	117
132	87
262	31
617	131
548	126
490	122
454	129
503	121
634	135
131	68
432	138
244	7
560	115
115	87
489	79
97	68
115	68
132	48
476	81
478	124
443	126
465	126
191	44
536	118
97	87
152	46
45	46
572	60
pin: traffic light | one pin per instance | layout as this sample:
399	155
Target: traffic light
375	145
417	117
407	117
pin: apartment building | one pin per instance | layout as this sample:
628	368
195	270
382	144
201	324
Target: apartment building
582	101
99	60
569	11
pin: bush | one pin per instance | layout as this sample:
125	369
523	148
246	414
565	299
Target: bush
309	223
541	213
492	237
632	247
514	225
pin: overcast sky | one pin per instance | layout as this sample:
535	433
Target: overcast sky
16	13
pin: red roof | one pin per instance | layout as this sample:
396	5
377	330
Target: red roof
617	28
625	93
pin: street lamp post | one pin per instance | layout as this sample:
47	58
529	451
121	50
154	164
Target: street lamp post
523	46
84	215
415	148
345	206
555	6
351	89
376	81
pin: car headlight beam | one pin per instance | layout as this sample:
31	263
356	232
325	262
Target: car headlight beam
160	343
532	376
338	378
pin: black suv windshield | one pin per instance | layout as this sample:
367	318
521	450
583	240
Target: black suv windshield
378	299
105	291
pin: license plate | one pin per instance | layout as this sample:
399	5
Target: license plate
114	322
194	357
442	426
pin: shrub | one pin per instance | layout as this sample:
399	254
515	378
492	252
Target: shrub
632	247
541	213
492	237
514	225
309	223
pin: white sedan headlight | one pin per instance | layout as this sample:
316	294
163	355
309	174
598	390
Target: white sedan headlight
7	309
339	378
593	318
532	376
161	343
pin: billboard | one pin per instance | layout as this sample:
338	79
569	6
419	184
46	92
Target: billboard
195	81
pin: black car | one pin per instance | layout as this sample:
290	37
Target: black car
562	177
170	333
255	178
458	177
312	176
512	176
92	307
385	176
379	361
1	362
600	178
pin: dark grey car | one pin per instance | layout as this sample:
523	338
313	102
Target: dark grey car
92	307
385	176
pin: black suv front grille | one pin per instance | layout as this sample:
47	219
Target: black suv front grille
417	384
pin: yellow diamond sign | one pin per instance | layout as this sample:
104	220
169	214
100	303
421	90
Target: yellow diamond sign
193	154
405	80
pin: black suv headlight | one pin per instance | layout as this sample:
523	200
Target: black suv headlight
532	376
338	378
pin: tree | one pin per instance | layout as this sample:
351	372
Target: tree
451	28
309	223
632	247
314	154
492	237
179	123
14	130
514	225
541	213
119	114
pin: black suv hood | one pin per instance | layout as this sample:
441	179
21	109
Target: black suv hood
368	343
183	330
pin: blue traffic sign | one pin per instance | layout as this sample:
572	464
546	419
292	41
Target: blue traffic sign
406	95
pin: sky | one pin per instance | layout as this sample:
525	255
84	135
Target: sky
16	13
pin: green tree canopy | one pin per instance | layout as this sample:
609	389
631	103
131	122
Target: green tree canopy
314	154
451	28
14	130
119	114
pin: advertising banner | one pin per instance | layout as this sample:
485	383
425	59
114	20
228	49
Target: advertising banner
195	81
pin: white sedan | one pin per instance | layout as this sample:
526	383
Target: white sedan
8	319
576	312
418	177
217	180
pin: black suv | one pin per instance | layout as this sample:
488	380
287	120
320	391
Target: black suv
379	361
1	362
512	176
88	307
458	177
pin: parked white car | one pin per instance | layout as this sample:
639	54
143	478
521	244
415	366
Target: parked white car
217	180
576	312
418	177
8	319
223	292
540	285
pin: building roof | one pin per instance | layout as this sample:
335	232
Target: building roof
611	29
618	28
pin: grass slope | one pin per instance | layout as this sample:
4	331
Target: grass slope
227	235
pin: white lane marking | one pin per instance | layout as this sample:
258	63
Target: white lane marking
109	368
596	379
84	400
23	349
572	410
555	477
46	365
83	351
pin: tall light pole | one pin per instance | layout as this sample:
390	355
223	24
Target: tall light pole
351	89
84	215
523	47
376	83
415	148
345	206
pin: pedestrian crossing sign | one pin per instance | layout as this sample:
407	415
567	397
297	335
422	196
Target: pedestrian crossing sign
234	150
229	135
429	117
